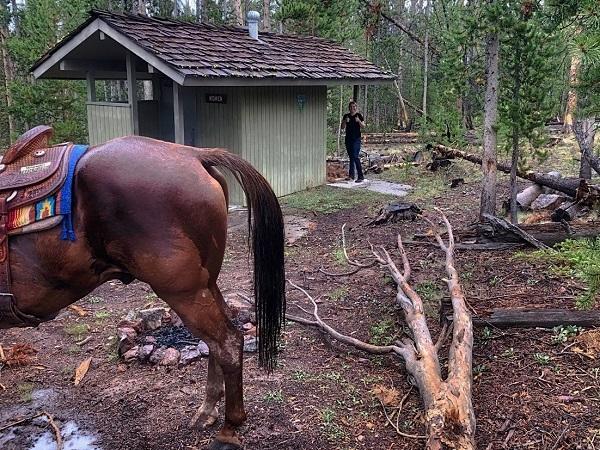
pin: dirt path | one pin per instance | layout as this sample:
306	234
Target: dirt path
528	392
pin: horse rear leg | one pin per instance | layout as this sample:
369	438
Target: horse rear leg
208	413
205	316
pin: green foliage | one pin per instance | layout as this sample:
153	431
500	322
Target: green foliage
576	258
335	20
563	333
541	358
274	396
77	330
383	333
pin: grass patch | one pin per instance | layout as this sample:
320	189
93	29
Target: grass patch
327	199
77	330
338	294
579	259
383	333
102	315
431	295
25	391
275	396
331	429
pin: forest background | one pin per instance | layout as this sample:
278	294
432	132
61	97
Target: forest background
444	52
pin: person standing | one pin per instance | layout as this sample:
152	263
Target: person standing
352	122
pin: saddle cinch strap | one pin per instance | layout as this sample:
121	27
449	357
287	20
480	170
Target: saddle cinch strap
31	174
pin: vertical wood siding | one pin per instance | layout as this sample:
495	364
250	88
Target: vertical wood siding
218	125
284	141
267	127
107	121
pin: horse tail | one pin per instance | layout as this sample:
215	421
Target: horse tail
266	239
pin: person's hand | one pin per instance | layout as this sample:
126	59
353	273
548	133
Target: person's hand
357	119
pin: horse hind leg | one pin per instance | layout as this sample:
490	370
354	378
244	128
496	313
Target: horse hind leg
208	413
205	316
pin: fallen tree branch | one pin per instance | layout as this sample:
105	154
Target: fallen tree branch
449	415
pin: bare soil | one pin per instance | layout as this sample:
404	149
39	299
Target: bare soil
528	392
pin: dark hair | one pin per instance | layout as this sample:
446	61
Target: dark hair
352	103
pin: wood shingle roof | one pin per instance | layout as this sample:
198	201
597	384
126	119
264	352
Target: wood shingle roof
204	51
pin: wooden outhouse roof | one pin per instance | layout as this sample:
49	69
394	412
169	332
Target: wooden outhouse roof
194	53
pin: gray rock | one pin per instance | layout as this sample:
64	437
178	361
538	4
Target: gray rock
136	324
145	351
250	344
127	338
203	348
153	317
188	355
175	319
157	355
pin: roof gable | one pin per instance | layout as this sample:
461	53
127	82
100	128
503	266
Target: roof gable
207	52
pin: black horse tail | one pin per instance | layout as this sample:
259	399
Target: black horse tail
266	238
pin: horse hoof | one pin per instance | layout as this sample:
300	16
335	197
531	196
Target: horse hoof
218	445
205	420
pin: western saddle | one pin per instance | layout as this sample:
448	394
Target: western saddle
30	171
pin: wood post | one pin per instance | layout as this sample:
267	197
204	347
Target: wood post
91	86
178	113
132	93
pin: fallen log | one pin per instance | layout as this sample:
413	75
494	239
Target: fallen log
567	212
547	201
539	318
549	233
527	196
568	186
519	232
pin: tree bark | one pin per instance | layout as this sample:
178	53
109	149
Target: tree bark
526	197
402	123
16	17
176	8
488	166
266	23
237	12
426	60
7	67
199	10
585	132
572	95
340	115
466	102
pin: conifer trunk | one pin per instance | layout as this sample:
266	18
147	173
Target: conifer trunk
572	95
489	161
7	68
237	11
266	22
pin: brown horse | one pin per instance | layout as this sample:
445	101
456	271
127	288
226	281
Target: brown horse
157	212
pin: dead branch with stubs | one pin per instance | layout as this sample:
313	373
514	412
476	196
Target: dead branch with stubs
449	416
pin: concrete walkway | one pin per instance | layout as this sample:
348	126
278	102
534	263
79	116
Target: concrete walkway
383	187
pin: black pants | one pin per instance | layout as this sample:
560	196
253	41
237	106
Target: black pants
353	149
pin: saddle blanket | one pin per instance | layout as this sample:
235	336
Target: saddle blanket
56	204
